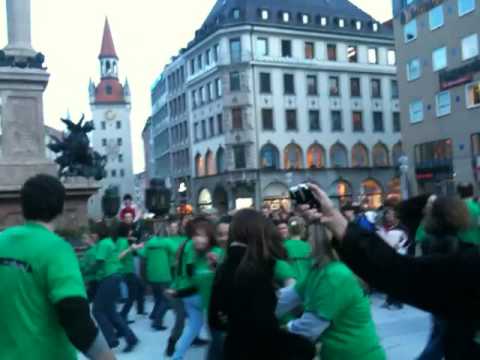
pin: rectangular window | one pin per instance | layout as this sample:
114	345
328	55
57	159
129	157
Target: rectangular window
332	52
211	126
204	129
234	81
378	125
235	50
216	50
122	173
218	88
465	7
239	156
192	66
262	47
355	90
357	121
114	173
473	95
312	86
439	59
237	121
394	88
373	56
352	54
200	62
391	57
416	112
194	99
120	158
195	131
267	119
469	47
410	30
435	17
291	120
104	125
104	142
443	103
289	84
314	120
286	48
309	50
220	123
376	88
334	85
397	125
119	125
337	123
211	96
265	83
414	69
208	57
119	141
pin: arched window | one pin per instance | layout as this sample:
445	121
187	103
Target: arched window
220	160
397	153
205	199
380	155
360	156
316	157
341	191
209	164
270	157
199	166
339	156
372	193
293	157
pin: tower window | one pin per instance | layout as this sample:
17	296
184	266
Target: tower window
109	90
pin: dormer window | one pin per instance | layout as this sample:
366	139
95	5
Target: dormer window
323	21
236	14
305	19
341	23
264	14
375	27
285	17
358	25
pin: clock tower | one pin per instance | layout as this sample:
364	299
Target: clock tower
110	105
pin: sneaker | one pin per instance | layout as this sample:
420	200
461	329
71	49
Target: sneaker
130	347
200	342
170	347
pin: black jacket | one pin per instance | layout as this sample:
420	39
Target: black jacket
243	305
445	285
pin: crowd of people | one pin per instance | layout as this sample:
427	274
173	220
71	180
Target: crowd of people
265	284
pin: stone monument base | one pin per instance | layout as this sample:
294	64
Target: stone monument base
75	213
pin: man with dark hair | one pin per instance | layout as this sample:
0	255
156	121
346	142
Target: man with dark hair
470	237
46	310
129	207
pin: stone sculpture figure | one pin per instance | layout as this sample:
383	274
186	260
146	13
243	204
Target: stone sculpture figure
77	158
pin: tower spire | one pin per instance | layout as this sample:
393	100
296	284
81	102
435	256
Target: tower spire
108	48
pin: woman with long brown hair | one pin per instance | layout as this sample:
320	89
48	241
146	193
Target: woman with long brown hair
243	300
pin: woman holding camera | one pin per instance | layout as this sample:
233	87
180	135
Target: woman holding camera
336	307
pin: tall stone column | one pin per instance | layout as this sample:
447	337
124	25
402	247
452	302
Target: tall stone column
19	28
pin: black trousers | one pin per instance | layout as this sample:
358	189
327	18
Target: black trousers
134	285
105	312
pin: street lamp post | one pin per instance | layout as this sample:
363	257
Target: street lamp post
404	188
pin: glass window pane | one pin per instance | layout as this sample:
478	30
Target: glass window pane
443	103
262	47
416	112
465	7
410	31
414	70
439	59
435	17
469	47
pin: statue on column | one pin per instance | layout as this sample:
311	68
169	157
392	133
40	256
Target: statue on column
77	158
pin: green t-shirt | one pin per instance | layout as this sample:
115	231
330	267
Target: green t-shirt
472	234
282	271
37	270
421	234
334	293
87	262
203	275
181	279
299	257
107	252
157	252
128	261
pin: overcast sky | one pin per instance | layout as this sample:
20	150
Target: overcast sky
146	34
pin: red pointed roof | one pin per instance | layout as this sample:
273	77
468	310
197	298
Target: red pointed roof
108	48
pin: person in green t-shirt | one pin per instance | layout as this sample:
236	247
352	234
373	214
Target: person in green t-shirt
471	236
299	252
198	259
336	308
44	312
109	270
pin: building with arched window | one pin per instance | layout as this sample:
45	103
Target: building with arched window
380	157
303	97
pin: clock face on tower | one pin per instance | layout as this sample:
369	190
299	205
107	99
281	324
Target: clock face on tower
110	115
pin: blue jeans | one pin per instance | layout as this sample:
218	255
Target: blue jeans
193	307
434	350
